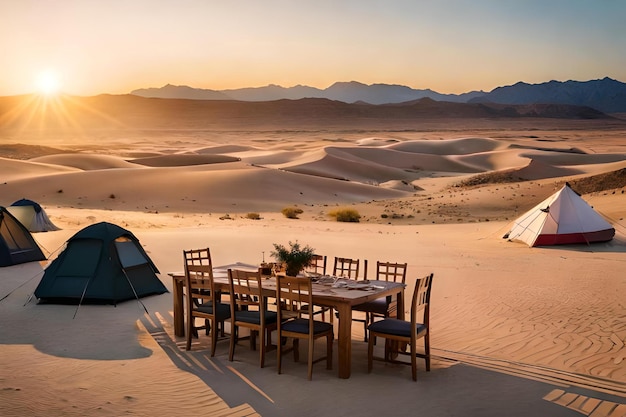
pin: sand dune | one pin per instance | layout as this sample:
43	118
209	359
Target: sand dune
511	325
461	146
215	187
536	169
85	162
11	169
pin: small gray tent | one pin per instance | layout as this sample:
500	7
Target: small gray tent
16	243
102	263
32	216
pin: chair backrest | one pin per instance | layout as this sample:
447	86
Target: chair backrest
317	265
390	271
245	291
292	293
421	301
198	276
349	268
197	257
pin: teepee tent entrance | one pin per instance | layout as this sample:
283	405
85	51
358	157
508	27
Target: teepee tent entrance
562	218
16	243
102	263
31	215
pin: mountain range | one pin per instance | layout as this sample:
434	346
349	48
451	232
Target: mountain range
606	95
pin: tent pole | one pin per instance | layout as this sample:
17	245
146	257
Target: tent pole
134	292
82	296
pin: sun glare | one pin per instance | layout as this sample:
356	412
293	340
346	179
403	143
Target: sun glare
48	82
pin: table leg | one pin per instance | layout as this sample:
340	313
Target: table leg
344	338
400	301
179	310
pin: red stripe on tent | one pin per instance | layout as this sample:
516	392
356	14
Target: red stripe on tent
569	238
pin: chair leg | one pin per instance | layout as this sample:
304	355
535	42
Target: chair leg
253	334
365	324
414	361
329	351
268	339
233	342
279	354
189	333
370	352
296	349
310	358
214	331
427	350
262	348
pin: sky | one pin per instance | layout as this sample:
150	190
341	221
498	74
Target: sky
90	47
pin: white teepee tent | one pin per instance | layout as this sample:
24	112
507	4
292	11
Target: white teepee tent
560	219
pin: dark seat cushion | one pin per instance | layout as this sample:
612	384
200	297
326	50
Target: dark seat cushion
222	311
302	326
396	327
378	305
254	317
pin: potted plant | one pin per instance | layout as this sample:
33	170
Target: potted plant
295	257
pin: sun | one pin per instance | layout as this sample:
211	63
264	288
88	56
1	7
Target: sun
48	82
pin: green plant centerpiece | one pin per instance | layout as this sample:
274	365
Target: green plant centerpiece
295	257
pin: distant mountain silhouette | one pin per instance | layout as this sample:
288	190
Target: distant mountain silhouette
134	112
606	95
348	92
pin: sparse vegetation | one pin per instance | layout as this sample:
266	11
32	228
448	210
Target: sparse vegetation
291	212
345	215
226	217
253	216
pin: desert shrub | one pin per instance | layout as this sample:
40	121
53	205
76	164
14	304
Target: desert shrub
253	216
291	212
345	215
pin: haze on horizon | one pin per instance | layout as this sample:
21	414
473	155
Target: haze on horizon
450	46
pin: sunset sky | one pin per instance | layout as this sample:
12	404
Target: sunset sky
88	47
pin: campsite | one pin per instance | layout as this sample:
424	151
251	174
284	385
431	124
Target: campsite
508	318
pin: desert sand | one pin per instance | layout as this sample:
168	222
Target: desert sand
516	331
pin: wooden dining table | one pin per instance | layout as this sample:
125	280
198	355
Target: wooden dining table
341	298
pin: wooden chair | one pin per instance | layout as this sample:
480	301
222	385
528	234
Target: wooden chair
292	292
349	268
318	266
405	332
384	306
202	300
248	308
